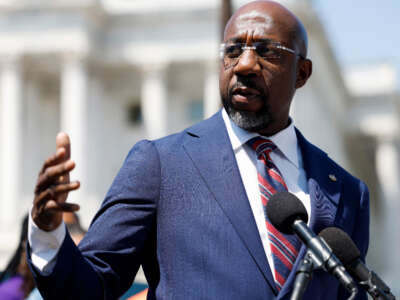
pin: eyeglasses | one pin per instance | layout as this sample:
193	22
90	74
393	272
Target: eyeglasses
266	50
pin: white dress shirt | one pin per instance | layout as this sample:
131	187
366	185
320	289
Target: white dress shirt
287	158
45	245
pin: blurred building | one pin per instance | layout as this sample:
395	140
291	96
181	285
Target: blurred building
374	146
113	72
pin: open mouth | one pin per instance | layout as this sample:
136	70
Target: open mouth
245	92
245	95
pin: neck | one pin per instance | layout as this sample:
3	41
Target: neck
274	128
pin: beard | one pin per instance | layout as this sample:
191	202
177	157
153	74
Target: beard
248	120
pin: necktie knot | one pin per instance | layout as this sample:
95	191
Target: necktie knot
261	145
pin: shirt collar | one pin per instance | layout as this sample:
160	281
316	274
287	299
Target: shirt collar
285	140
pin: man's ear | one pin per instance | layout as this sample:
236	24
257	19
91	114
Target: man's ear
303	72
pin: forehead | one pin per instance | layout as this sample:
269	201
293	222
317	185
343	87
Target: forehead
254	25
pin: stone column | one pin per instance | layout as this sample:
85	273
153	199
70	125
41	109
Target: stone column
11	136
388	235
387	165
74	120
33	135
154	100
212	101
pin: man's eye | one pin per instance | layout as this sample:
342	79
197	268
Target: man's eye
233	50
265	51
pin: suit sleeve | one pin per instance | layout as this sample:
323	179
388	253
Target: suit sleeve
118	240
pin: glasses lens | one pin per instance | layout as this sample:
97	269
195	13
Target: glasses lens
233	50
266	51
231	54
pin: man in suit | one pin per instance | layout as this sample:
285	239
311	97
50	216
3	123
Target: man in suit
188	207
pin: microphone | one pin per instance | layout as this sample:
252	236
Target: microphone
286	212
345	249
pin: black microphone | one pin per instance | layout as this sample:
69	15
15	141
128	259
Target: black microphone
288	215
345	249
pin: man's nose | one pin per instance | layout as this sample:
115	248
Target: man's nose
248	63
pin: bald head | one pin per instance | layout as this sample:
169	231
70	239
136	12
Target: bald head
276	19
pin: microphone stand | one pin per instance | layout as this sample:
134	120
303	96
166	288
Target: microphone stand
303	276
377	288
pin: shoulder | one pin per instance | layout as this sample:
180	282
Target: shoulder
151	152
208	127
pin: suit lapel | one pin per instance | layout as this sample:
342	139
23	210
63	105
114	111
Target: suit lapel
324	189
220	172
324	185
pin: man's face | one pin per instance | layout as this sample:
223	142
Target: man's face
256	92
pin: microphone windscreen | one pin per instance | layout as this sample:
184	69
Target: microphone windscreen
283	209
341	244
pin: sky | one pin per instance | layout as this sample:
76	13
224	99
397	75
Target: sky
362	31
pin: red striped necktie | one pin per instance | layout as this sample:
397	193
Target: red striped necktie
284	248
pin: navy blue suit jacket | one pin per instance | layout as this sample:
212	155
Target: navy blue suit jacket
178	207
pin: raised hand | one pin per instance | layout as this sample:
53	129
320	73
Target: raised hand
53	186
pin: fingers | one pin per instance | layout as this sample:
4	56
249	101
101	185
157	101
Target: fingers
58	157
63	142
52	174
63	152
52	192
49	204
53	206
53	186
49	216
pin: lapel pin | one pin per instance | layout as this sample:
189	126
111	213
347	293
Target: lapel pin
332	177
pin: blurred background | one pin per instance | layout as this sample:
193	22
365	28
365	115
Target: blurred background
113	72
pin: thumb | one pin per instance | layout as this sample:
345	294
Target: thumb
63	141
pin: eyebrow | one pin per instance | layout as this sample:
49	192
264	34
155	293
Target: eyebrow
242	40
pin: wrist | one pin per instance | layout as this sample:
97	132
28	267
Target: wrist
46	221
